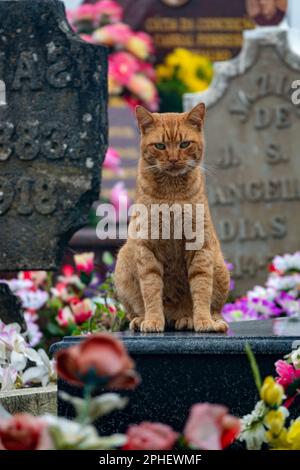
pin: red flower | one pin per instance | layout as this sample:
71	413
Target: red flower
210	427
24	432
102	354
150	436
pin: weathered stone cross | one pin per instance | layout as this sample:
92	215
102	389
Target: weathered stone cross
53	132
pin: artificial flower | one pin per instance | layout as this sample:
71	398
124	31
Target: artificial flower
102	358
85	262
271	393
150	436
24	432
210	427
82	310
112	160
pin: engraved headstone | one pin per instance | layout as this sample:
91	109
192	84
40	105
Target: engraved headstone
53	131
252	143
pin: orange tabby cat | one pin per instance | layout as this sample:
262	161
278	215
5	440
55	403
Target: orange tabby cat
159	281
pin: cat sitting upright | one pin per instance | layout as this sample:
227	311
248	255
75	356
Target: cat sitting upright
159	281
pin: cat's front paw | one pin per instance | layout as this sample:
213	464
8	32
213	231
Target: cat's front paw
152	326
184	323
210	326
135	323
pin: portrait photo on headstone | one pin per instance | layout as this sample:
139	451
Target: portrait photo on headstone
150	232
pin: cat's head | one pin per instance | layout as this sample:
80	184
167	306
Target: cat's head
172	143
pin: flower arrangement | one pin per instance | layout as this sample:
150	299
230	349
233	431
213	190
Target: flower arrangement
280	297
102	361
268	426
182	72
78	301
130	74
20	364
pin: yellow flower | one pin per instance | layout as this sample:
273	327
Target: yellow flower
274	421
293	435
164	72
279	442
138	47
271	392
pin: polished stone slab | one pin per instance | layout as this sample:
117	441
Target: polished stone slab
179	369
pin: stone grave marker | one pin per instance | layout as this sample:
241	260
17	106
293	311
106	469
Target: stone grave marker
53	136
53	132
252	150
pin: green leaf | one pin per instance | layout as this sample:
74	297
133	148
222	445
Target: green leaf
254	367
293	388
108	258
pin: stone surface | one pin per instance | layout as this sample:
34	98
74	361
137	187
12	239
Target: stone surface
53	131
252	154
36	401
179	369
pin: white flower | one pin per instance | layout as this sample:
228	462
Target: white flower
262	293
253	430
98	406
287	262
33	299
8	377
43	373
284	283
295	357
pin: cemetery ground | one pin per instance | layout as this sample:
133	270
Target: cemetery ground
60	319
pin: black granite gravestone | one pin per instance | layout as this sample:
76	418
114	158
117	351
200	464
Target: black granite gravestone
53	132
180	369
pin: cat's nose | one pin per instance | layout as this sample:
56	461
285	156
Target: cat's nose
173	159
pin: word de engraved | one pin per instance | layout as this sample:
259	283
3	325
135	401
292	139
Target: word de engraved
53	132
255	192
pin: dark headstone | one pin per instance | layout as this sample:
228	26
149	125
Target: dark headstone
180	369
10	307
252	154
53	129
212	28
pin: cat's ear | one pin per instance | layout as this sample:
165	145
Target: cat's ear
197	115
144	118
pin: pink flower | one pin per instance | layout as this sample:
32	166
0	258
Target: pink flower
87	38
119	197
82	310
150	436
105	355
65	317
113	34
287	373
84	12
141	45
122	67
108	8
37	277
24	432
68	270
112	160
210	427
85	262
144	89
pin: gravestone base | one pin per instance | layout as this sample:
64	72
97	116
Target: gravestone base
180	369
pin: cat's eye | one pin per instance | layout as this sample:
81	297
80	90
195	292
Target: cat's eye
185	144
160	146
